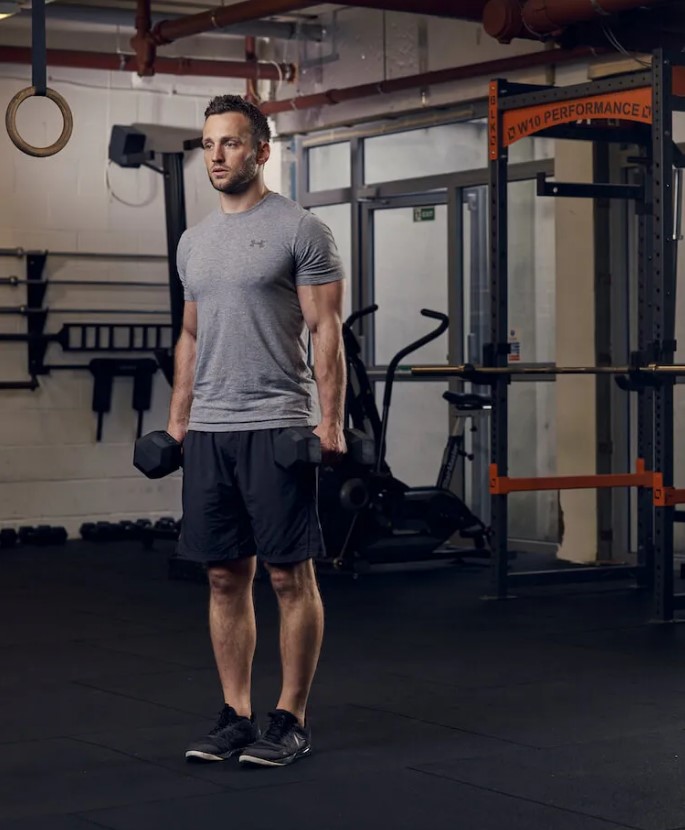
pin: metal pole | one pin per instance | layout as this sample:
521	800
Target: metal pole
484	373
21	252
16	281
499	322
645	397
30	385
604	324
663	283
23	311
174	198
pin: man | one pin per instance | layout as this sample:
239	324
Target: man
257	273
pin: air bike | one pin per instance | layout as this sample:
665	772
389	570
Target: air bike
368	515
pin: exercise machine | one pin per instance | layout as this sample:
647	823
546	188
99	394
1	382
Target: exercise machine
368	515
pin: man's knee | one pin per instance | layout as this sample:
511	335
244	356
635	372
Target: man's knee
292	581
231	578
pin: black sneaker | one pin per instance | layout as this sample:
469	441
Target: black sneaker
283	742
231	735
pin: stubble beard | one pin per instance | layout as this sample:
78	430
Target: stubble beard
239	181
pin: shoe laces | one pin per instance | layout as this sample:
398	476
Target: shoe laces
281	722
226	717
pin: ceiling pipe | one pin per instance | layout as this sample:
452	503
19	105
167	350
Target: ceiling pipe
486	69
508	19
455	9
145	49
195	67
251	59
101	16
167	31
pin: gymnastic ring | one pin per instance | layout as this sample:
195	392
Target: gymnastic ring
11	123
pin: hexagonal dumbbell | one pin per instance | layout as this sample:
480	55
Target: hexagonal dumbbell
360	447
296	446
157	454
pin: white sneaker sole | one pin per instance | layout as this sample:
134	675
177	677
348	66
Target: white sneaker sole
262	762
195	755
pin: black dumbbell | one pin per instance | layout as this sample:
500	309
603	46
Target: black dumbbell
141	526
128	529
101	532
57	536
42	535
8	537
297	446
87	531
166	523
157	454
360	447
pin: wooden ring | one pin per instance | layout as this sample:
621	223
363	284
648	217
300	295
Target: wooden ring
11	123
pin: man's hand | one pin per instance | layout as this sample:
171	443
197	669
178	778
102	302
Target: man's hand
333	445
177	431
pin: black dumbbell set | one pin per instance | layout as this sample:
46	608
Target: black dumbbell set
137	529
40	535
105	531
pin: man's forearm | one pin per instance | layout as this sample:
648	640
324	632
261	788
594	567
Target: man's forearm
330	372
184	376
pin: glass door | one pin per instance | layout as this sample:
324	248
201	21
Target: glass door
405	250
431	250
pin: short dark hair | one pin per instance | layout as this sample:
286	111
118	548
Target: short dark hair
234	103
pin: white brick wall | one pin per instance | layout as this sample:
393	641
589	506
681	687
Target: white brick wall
51	468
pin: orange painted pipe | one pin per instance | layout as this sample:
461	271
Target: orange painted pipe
486	69
198	67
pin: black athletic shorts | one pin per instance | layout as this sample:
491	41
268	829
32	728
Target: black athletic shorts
237	502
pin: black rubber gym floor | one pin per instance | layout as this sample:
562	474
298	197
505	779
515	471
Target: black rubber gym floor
564	708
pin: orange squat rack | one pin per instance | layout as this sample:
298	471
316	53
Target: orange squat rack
630	109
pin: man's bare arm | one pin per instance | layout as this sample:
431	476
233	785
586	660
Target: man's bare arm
184	374
322	309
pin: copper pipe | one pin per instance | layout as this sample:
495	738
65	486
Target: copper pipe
167	31
441	76
455	9
545	16
508	19
171	66
251	59
144	47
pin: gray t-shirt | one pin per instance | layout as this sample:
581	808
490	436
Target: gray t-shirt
242	270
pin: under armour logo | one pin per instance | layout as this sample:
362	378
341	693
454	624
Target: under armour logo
257	243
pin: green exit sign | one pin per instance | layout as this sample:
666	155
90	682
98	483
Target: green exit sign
424	214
